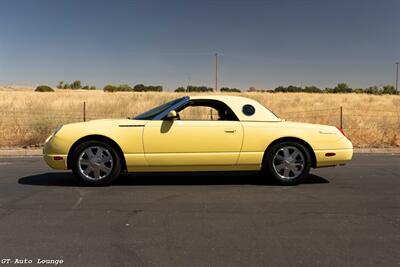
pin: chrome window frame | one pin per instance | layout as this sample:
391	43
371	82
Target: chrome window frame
164	114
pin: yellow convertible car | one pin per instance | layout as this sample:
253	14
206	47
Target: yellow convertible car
201	133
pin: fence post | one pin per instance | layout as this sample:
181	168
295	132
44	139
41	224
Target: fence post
341	117
84	110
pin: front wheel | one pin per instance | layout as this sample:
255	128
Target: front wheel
96	163
288	163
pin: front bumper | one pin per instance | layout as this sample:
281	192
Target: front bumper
54	153
58	162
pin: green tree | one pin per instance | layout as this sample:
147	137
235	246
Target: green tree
342	88
312	89
372	90
290	88
232	90
191	88
76	85
358	90
60	85
281	89
110	88
124	88
293	89
44	88
180	90
153	88
139	88
389	89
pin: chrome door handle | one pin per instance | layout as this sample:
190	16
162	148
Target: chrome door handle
230	130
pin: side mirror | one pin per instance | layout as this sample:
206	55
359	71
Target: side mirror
172	115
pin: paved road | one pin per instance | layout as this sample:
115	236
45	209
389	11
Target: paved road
344	216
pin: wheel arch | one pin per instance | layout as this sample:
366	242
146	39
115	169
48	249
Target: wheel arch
293	139
100	138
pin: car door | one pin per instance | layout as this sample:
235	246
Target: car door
192	142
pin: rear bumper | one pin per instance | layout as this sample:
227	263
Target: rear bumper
341	156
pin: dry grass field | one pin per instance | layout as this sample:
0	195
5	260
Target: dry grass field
28	117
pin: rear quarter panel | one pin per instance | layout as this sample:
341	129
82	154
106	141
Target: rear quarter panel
259	135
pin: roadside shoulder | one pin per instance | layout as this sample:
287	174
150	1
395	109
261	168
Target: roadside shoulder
20	152
388	150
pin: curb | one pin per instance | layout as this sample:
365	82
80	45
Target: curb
393	150
21	152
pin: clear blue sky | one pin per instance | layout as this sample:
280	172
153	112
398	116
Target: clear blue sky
261	43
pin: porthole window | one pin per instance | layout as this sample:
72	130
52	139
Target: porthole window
248	110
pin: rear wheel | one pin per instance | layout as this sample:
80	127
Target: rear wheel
96	163
288	163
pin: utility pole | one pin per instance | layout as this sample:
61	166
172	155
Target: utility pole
216	72
84	110
397	77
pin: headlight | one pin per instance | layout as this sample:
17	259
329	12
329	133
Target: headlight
56	130
53	134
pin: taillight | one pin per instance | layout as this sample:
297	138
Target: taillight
341	130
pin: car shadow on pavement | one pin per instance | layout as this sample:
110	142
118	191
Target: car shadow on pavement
163	179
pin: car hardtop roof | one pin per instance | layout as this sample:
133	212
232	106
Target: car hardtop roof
220	97
236	103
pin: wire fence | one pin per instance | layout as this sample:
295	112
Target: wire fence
369	127
348	118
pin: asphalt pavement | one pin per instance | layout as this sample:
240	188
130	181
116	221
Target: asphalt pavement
342	216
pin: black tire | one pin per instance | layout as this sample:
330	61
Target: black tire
106	178
272	159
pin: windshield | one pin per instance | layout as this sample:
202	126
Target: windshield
150	114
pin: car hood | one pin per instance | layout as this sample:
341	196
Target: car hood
106	122
119	121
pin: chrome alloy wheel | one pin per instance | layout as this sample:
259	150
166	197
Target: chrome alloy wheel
288	162
95	163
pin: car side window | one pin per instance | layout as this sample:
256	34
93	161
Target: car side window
248	110
198	113
206	110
